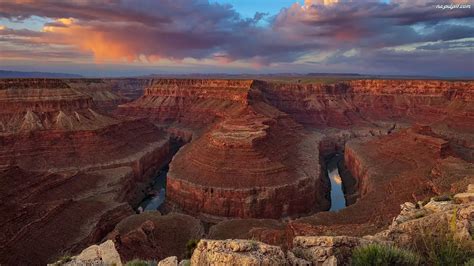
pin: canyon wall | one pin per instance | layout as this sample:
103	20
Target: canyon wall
248	166
355	102
101	91
255	149
68	171
242	123
189	101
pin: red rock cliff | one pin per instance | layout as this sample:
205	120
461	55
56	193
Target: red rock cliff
351	103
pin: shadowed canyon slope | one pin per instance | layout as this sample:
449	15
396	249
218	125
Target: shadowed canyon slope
66	168
77	154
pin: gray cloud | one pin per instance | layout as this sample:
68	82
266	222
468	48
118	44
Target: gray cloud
178	29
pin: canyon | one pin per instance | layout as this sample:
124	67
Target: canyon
248	159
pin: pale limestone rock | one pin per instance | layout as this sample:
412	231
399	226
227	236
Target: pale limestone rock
438	206
465	222
184	263
237	252
464	197
327	250
170	261
440	216
408	212
293	260
331	261
470	188
31	122
104	254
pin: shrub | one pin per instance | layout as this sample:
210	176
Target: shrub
424	202
469	262
419	214
376	254
447	251
65	258
440	246
190	246
446	197
186	263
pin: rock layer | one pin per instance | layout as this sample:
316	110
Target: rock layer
241	174
189	101
390	170
355	102
230	170
68	172
247	156
152	236
236	252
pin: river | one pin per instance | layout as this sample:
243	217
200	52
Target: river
338	200
156	192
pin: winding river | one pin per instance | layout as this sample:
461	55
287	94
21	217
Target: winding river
157	192
338	200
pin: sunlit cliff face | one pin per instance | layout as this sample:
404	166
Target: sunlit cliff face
194	32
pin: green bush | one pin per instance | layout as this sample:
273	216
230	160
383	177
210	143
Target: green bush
190	246
65	258
446	197
447	251
376	254
439	246
469	262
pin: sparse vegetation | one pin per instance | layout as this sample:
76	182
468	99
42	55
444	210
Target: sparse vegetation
423	202
419	215
445	250
186	263
376	254
469	262
138	262
446	197
440	246
253	243
65	258
190	246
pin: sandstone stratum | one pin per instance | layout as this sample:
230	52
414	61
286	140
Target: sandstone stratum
241	159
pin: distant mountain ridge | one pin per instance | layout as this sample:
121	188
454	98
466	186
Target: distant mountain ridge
22	74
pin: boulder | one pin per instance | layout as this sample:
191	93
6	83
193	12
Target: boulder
103	254
170	261
293	260
237	252
327	250
151	236
464	197
439	217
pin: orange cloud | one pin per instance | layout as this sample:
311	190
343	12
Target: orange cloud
65	21
320	2
87	39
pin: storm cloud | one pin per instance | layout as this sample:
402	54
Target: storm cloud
175	30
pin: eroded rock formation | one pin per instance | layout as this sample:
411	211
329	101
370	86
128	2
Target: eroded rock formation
237	252
254	149
152	236
68	172
189	101
241	174
435	216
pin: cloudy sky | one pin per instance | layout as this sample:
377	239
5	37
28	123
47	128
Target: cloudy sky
133	37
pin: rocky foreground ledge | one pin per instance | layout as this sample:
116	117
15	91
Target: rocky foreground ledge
455	214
